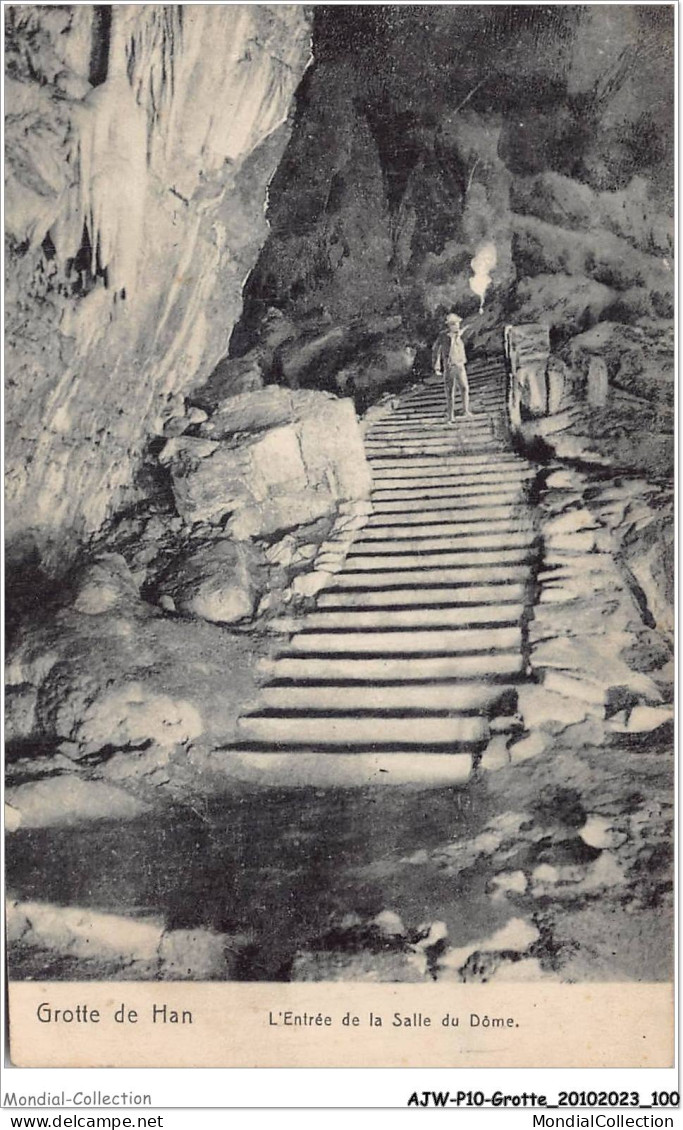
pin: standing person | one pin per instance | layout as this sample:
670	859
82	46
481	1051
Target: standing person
449	359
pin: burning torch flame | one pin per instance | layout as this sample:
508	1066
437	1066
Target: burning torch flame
481	266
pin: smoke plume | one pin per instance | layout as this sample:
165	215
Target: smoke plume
481	266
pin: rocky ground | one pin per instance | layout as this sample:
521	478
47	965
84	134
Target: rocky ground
121	690
558	868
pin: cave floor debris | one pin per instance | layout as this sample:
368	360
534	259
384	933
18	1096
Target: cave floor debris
417	642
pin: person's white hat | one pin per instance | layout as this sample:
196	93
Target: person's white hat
453	317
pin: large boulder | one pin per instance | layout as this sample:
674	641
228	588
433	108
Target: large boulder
104	585
130	715
67	800
269	461
217	581
256	411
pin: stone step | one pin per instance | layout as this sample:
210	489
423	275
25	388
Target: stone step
462	558
437	394
492	393
502	539
436	409
470	460
427	391
477	595
462	425
454	504
460	441
436	423
402	578
437	523
465	487
474	368
484	386
429	641
423	440
348	730
460	446
356	619
478	472
481	419
482	697
413	432
395	669
429	426
466	456
432	414
429	415
272	768
479	448
436	397
401	534
489	390
478	376
456	445
456	477
441	428
458	490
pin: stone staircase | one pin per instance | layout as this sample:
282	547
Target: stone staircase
414	650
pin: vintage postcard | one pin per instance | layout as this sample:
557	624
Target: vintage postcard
339	450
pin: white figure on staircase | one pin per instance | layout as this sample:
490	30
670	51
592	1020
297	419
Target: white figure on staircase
450	360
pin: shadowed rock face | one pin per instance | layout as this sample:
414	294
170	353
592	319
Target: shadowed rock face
135	208
425	134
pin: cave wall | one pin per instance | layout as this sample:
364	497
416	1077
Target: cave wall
145	145
139	145
424	136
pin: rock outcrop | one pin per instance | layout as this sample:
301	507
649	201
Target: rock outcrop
537	176
139	145
268	461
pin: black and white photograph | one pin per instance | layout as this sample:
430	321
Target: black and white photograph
339	493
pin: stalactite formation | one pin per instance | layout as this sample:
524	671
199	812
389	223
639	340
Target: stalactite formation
140	143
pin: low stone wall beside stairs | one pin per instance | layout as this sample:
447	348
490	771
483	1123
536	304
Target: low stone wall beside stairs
591	679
